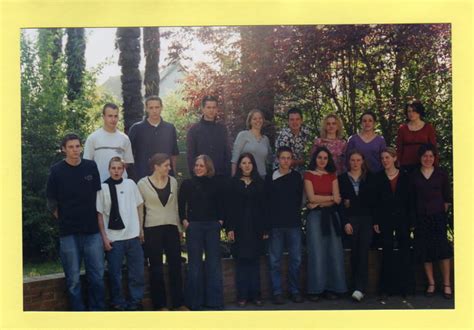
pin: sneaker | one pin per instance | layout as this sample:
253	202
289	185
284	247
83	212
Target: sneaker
314	297
278	299
181	308
296	298
258	302
331	295
135	308
357	295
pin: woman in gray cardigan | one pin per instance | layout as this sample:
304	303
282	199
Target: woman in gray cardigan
162	231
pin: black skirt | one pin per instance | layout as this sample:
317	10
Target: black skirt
431	239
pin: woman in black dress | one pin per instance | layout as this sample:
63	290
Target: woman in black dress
432	197
392	216
245	228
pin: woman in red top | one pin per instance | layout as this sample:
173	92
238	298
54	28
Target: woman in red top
412	135
323	228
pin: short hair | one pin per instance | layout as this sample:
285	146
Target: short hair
254	174
294	110
250	116
427	147
340	128
116	159
283	149
390	150
109	105
416	106
157	159
70	137
330	166
370	113
364	167
208	163
208	98
153	98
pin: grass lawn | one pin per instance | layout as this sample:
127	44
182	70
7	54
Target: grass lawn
44	268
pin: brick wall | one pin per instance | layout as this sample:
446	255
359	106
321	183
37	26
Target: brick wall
48	293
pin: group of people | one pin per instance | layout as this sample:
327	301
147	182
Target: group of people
122	197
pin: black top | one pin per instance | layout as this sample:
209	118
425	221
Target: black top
209	138
200	199
148	140
164	193
283	198
361	204
430	194
395	208
74	188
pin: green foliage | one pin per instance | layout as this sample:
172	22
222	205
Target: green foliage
47	115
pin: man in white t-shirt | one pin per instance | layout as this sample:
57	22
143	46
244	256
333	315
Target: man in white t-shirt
108	142
117	207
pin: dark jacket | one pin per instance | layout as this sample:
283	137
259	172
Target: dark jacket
283	198
209	138
200	199
392	208
246	216
361	204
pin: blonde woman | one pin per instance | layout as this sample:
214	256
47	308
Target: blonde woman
331	137
253	141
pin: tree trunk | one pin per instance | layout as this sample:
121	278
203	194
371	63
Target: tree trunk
151	48
128	41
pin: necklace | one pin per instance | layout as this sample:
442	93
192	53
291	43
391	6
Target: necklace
393	174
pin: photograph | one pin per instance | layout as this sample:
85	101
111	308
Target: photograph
217	169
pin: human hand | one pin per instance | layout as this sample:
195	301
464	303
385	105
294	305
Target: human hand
231	235
185	224
347	203
348	229
377	229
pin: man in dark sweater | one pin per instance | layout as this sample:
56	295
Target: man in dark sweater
71	192
150	136
283	190
207	137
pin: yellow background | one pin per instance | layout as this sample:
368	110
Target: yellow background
15	15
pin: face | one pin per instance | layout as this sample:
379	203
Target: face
284	160
322	160
116	170
200	168
427	159
256	121
164	168
412	114
388	161
153	110
367	123
72	149
209	110
355	162
295	121
111	117
246	166
331	126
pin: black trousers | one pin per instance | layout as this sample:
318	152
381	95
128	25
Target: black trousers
165	239
360	244
248	278
395	276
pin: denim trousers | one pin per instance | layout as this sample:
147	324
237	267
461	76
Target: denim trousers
72	250
204	287
132	250
278	238
325	257
247	278
159	239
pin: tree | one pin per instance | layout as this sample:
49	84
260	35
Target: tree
151	48
75	60
128	42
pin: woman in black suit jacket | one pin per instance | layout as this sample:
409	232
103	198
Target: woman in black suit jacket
392	216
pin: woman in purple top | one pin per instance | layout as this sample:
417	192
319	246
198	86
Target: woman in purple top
432	197
369	143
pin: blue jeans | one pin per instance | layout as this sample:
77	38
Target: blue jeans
325	257
74	248
132	250
277	239
204	237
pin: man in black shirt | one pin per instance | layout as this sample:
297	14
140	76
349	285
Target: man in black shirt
71	192
150	136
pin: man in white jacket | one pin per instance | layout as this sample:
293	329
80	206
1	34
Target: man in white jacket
117	206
